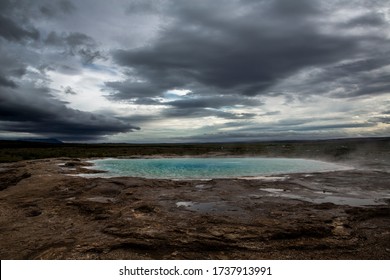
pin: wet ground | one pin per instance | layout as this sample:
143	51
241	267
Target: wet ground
47	212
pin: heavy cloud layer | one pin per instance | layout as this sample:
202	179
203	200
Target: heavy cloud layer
27	103
250	68
248	47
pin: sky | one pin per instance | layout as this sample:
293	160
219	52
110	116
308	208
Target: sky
142	71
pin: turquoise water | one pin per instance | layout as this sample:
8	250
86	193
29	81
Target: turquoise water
207	168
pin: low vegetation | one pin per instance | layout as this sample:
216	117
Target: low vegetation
341	149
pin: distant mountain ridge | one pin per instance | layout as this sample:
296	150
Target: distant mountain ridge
41	140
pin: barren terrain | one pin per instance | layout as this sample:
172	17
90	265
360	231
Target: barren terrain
48	212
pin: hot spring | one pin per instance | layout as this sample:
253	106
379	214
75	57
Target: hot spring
208	168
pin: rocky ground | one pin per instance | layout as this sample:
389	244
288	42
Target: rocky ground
46	212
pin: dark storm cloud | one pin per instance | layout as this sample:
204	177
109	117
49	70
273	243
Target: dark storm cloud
14	32
11	68
143	7
7	83
246	54
16	17
79	39
130	89
357	77
249	47
37	112
66	6
53	8
18	72
384	117
27	105
89	56
385	120
25	10
75	43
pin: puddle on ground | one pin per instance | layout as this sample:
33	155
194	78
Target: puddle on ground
272	190
351	201
326	197
266	178
101	199
206	206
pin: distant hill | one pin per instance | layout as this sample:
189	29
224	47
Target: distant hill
42	140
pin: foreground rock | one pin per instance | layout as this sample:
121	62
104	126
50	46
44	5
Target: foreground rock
48	214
